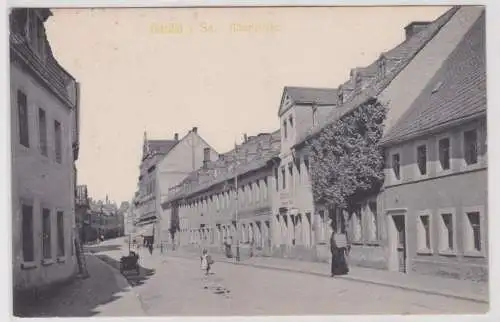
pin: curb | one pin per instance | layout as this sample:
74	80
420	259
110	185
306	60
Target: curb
360	280
123	283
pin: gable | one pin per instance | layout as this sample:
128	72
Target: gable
286	102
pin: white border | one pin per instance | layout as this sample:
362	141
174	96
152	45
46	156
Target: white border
493	52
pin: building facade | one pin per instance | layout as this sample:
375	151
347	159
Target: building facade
395	79
229	200
106	220
82	213
44	134
435	226
163	166
293	206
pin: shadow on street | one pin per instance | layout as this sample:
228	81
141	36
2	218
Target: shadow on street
94	249
78	298
132	277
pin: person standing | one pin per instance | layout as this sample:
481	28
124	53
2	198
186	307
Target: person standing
206	262
339	247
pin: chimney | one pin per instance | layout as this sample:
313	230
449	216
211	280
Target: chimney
206	157
195	129
415	27
245	138
176	136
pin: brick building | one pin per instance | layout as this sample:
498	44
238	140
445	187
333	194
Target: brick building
433	152
44	144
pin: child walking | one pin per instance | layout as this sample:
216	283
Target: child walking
206	262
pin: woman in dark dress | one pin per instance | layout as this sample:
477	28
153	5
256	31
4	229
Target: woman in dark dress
339	249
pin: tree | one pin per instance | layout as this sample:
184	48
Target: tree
347	162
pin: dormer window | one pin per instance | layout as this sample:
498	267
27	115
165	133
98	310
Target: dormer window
340	97
314	114
357	82
381	67
36	32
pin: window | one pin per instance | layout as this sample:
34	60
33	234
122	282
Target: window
372	206
470	147
396	166
257	191
42	127
381	67
22	105
285	132
40	38
58	141
46	244
422	159
27	233
444	153
446	233
276	178
322	225
291	121
283	178
473	232
249	194
357	226
424	233
60	234
290	173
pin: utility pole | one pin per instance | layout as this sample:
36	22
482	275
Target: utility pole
236	218
237	204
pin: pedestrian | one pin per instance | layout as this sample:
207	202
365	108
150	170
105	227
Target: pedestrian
206	262
227	247
251	247
150	247
339	247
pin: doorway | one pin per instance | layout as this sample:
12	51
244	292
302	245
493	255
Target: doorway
397	243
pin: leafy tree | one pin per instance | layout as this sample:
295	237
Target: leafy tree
347	162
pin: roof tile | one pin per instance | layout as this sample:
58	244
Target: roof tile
456	91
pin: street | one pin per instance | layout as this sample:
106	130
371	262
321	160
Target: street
179	287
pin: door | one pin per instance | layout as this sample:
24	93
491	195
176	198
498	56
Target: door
267	238
400	225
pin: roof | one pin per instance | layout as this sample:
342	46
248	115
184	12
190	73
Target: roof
395	61
161	146
251	155
311	95
50	72
456	92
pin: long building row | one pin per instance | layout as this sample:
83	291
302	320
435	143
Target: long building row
421	220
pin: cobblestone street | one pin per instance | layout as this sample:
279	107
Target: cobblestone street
178	287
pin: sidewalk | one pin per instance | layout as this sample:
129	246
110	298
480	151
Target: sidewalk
467	290
104	293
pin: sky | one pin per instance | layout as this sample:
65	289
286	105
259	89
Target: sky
166	70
